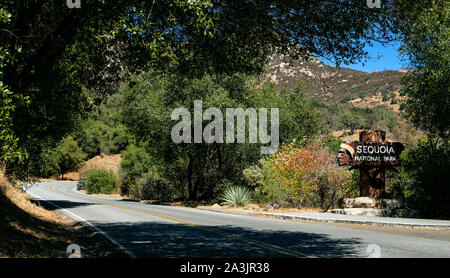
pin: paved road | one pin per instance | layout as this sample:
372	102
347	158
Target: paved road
143	230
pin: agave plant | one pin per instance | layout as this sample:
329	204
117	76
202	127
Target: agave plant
236	196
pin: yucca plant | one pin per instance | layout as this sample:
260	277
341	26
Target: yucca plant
236	196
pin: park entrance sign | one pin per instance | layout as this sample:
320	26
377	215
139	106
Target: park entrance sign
371	155
376	154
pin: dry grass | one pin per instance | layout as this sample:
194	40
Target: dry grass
348	135
377	99
108	162
29	230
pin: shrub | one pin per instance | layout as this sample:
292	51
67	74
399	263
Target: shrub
151	186
236	196
253	176
346	99
135	162
423	178
306	176
101	181
220	188
363	94
385	96
66	156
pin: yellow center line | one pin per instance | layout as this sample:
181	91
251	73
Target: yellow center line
268	246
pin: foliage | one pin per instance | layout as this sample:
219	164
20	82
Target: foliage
70	59
49	163
423	178
9	148
101	181
66	156
307	175
96	137
151	186
236	196
332	143
341	116
253	176
135	163
195	169
426	39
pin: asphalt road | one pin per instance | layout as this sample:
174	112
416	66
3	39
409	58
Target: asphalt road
153	231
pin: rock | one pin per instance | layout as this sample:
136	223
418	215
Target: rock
216	206
366	202
377	212
268	208
360	202
275	205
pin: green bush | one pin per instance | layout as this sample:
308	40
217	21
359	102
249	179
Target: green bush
196	169
66	156
151	186
346	99
423	178
363	94
253	176
236	196
101	181
135	163
96	137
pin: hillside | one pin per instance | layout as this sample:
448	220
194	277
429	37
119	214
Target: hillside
108	162
331	83
33	229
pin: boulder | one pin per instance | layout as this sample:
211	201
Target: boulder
410	213
367	202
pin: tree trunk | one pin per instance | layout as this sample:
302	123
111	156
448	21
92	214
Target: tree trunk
189	177
372	179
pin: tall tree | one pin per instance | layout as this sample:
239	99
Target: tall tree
425	33
426	45
71	58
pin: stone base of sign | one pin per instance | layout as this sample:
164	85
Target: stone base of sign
367	202
366	206
409	213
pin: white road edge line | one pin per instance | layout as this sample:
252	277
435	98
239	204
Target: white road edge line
115	242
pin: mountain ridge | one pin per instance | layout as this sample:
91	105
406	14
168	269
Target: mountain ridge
332	83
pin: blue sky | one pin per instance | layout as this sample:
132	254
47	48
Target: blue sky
380	57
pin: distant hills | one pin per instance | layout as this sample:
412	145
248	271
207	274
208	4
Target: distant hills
335	84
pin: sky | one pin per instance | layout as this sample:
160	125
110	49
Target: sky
380	57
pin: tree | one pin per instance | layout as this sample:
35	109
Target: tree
9	149
426	46
425	36
197	168
65	52
68	155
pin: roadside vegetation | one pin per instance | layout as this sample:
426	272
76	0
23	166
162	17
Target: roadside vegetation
106	84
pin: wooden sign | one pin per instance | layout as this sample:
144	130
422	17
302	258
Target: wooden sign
372	153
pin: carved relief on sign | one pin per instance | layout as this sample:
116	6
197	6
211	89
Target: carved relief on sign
369	154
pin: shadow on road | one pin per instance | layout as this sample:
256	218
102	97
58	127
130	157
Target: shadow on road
60	203
162	240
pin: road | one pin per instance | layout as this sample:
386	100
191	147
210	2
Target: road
153	231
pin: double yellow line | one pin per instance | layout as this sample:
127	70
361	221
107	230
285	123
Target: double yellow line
267	246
